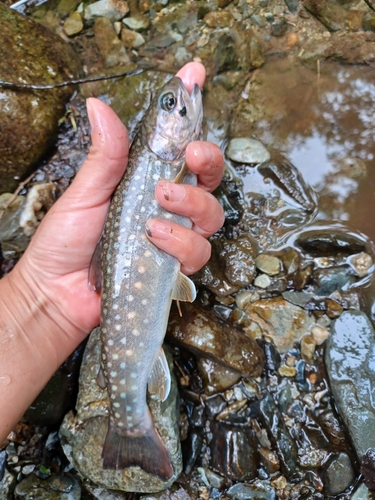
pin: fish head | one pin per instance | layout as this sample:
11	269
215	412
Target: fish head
173	120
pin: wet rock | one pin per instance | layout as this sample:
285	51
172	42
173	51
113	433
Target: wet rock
248	151
292	5
12	238
257	490
262	281
269	460
218	19
55	487
66	7
174	494
137	23
216	377
7	485
26	61
308	345
278	434
58	396
362	263
73	24
338	474
268	264
369	21
279	27
110	46
131	39
39	200
113	10
368	468
320	334
82	434
280	320
350	357
201	332
233	451
361	493
329	13
162	41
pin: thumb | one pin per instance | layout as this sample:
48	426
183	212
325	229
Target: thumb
106	161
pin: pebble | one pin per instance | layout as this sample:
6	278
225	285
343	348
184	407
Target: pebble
287	371
113	10
361	263
257	490
248	151
262	281
308	345
218	19
139	23
320	334
110	46
244	298
338	474
73	24
131	39
268	264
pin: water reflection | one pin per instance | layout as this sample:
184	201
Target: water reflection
325	123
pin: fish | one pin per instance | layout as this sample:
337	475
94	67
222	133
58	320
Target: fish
138	281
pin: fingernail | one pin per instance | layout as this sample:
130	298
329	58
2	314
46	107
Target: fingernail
173	192
158	230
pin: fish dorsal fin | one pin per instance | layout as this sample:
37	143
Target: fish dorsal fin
184	289
159	380
95	270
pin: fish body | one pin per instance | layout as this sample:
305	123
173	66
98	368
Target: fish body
139	282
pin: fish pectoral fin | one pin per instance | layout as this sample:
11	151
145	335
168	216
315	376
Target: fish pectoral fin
159	380
184	289
181	174
100	379
95	269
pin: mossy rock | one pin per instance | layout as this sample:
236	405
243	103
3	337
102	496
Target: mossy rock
30	53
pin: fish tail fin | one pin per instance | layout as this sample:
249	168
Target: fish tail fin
147	451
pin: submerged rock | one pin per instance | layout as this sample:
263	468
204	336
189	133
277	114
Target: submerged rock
82	433
350	361
55	487
30	53
246	150
201	332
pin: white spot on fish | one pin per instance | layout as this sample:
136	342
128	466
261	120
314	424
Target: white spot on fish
133	387
122	395
141	269
138	285
122	365
147	253
115	306
129	418
144	301
132	314
127	219
104	330
110	342
135	332
115	356
122	381
117	415
116	405
114	388
114	374
120	424
133	375
140	197
117	317
130	298
118	327
109	364
129	352
143	209
155	177
128	408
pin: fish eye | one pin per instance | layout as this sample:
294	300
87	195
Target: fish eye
168	101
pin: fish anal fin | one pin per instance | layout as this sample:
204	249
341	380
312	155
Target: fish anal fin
146	451
95	270
184	289
159	380
100	379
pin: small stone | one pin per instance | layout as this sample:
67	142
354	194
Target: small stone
269	460
216	378
113	10
268	264
162	41
182	56
320	334
248	151
369	22
361	263
279	483
218	19
308	345
287	371
73	24
262	281
255	490
131	39
339	474
138	23
110	46
244	298
292	5
279	28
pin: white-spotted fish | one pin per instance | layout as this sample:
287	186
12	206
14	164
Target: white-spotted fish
138	281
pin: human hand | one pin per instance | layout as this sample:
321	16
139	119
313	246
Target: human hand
55	265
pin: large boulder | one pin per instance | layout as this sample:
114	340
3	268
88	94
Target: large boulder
30	53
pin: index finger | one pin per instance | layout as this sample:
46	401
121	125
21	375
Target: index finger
192	73
207	161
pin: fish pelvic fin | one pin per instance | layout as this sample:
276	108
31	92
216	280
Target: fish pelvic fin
146	451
